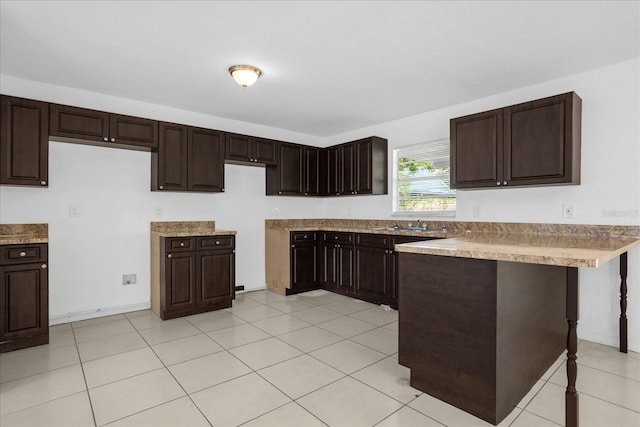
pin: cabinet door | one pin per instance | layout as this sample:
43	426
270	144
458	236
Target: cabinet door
372	274
347	170
216	277
539	141
180	282
345	268
133	131
303	265
363	163
78	124
206	160
24	142
24	301
329	274
332	180
311	171
265	151
238	147
477	150
290	169
169	164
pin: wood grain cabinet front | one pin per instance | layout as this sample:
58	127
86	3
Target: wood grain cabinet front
250	150
533	143
193	275
24	142
74	124
188	159
24	296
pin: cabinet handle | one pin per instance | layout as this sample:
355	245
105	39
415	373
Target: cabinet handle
44	266
169	256
182	245
105	139
23	254
498	183
113	140
43	182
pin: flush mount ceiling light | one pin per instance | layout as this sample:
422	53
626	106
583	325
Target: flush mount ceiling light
244	75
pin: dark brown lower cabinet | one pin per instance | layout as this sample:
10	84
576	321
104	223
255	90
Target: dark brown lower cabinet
372	268
24	296
338	262
304	262
197	274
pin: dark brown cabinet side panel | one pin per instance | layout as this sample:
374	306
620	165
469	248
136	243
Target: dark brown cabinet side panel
133	131
169	164
477	150
78	124
238	147
24	306
286	178
540	145
265	151
24	142
206	160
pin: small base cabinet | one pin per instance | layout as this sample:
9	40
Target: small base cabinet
192	274
24	296
304	262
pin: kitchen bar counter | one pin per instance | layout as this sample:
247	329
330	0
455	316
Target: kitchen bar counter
518	280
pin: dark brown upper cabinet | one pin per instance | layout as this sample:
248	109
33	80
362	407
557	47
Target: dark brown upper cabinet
330	172
311	171
24	142
286	179
362	167
73	124
188	159
250	150
533	143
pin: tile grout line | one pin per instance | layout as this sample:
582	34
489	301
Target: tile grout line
84	377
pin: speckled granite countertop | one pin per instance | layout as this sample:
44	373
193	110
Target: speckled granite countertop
187	229
23	234
551	244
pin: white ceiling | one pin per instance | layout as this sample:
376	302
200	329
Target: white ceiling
329	67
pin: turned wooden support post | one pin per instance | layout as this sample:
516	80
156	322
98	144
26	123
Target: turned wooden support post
623	303
571	395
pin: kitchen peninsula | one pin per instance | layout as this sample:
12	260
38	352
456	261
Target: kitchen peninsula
481	314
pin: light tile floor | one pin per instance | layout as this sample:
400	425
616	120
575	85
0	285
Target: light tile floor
311	359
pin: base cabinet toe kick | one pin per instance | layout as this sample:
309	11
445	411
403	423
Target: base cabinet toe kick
478	333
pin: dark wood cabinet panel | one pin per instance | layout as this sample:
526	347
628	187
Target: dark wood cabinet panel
331	174
250	150
345	268
311	171
24	296
197	274
216	276
286	178
370	166
206	160
24	142
188	159
170	163
372	273
346	153
82	125
533	143
304	261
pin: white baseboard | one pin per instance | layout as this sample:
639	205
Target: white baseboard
98	312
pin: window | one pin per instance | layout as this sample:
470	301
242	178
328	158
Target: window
421	179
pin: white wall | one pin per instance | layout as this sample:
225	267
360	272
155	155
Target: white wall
609	192
89	253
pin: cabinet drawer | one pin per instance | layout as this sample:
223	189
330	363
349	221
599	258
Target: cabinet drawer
216	242
180	244
338	237
373	240
303	236
20	254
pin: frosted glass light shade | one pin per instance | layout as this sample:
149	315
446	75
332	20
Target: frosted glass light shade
244	75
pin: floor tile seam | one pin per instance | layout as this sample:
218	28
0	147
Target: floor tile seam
215	385
20	356
213	330
171	340
537	415
293	399
106	336
97	322
316	349
144	410
371	323
114	354
268	412
253	342
84	378
406	405
256	320
127	377
370	386
341	371
581	392
49	401
605	371
347	314
152	327
41	373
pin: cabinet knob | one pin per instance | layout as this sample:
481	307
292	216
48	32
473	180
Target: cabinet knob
169	256
279	192
161	187
44	266
223	190
113	140
504	183
182	245
306	194
217	242
23	254
337	246
105	139
306	237
43	182
355	192
293	246
335	237
233	251
498	183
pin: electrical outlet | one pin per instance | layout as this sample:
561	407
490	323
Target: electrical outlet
276	211
159	212
128	279
74	211
567	211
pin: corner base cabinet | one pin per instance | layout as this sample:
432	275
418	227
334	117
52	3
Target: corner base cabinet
24	296
192	274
